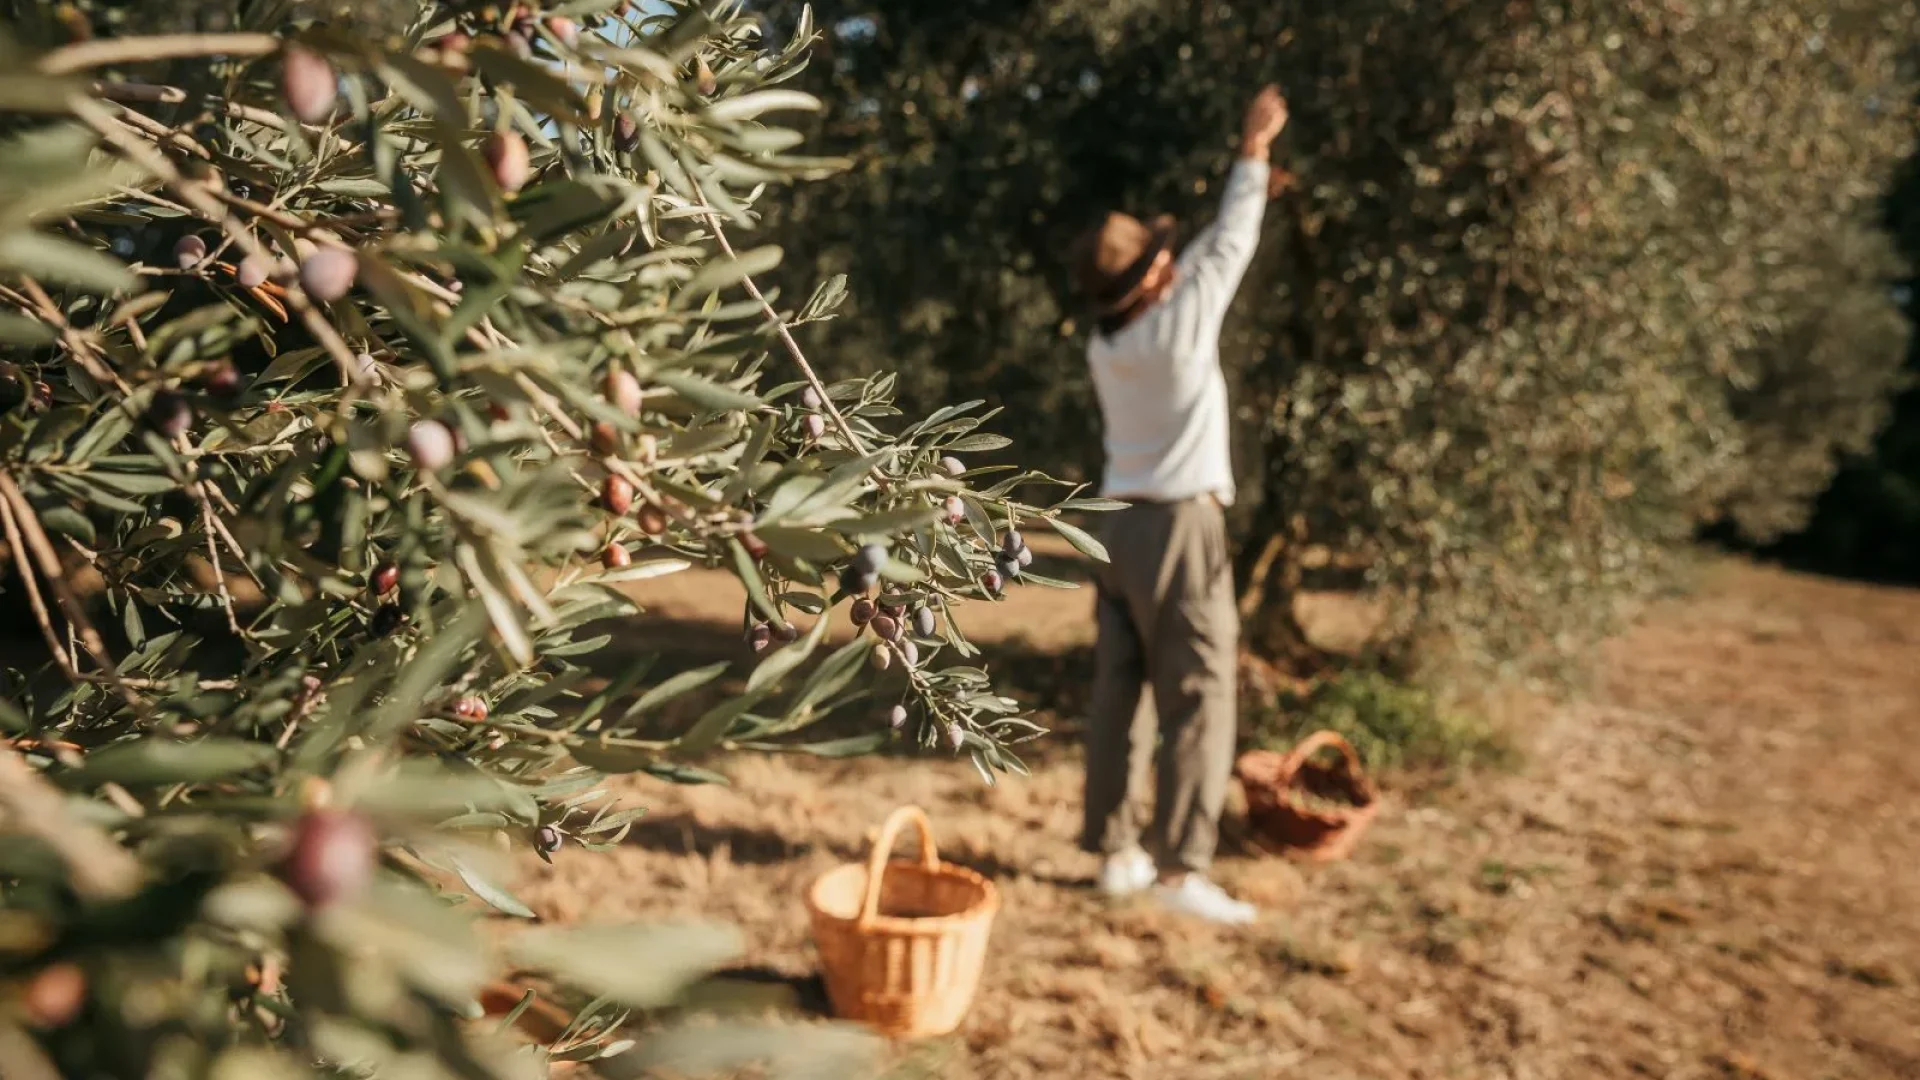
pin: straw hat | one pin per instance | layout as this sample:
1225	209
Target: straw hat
1111	261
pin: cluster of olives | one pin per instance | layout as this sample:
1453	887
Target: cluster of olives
955	733
814	424
384	582
894	622
1009	562
762	635
617	494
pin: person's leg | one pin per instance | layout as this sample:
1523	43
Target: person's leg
1120	724
1193	655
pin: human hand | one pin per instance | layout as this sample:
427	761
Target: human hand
1265	119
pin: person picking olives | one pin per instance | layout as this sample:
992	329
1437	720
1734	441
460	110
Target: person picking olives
1167	618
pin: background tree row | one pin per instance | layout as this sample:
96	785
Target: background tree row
1561	283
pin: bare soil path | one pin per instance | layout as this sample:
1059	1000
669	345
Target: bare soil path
1708	867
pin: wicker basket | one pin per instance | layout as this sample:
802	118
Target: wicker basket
902	943
1275	783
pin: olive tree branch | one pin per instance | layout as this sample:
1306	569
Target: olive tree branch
107	52
101	868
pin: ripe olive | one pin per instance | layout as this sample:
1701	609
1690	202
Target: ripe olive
506	154
332	857
169	414
616	494
430	445
309	85
328	273
385	579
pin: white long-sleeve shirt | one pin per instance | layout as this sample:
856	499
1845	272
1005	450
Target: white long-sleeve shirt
1158	378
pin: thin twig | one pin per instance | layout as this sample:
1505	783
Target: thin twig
109	51
50	568
101	868
145	93
213	559
19	549
779	325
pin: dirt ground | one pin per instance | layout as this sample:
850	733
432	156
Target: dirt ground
1709	866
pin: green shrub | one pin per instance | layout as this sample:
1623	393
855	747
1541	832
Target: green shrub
1391	724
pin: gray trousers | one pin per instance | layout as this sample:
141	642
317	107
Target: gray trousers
1168	624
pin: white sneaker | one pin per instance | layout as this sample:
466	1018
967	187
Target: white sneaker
1127	873
1202	899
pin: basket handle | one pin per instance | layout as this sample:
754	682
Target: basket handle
883	848
1316	742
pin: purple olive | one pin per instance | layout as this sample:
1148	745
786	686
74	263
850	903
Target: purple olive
1009	566
252	272
923	623
760	636
623	390
387	618
616	494
332	858
328	273
430	445
815	426
169	414
810	398
309	85
910	654
626	134
385	579
652	519
1012	542
870	558
188	251
952	466
993	582
862	612
547	841
506	154
897	717
221	380
855	583
787	633
885	628
1025	558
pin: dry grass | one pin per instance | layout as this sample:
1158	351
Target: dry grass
1707	869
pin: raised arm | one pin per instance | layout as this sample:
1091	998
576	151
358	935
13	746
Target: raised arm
1219	256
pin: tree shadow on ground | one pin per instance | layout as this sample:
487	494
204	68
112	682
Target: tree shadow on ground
686	834
801	993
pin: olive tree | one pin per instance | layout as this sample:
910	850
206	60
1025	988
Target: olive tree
359	354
